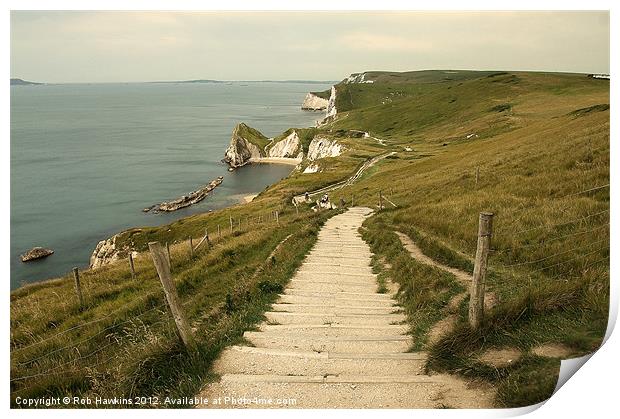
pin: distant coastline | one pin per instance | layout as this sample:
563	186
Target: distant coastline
247	81
22	82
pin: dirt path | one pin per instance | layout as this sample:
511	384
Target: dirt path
332	341
446	324
463	277
367	164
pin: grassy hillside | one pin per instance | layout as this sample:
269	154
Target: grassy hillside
253	135
123	342
540	143
323	95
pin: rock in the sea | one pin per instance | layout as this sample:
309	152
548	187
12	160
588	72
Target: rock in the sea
36	253
187	200
243	146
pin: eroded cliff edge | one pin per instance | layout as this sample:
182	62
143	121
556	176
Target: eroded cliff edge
315	101
246	143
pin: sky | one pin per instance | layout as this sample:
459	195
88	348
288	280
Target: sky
116	46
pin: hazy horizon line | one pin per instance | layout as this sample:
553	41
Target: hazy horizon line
296	80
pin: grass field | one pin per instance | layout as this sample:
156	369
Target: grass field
540	143
543	172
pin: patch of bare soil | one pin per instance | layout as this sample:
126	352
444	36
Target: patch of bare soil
500	358
455	303
415	252
446	324
442	327
553	350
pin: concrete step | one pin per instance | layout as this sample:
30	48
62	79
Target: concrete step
346	273
405	392
327	278
345	250
370	301
360	296
333	379
384	344
316	392
337	257
333	310
250	360
281	317
341	240
344	266
338	330
327	287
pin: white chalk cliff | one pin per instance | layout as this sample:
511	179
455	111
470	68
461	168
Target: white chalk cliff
105	252
321	147
289	147
241	149
312	168
313	102
357	78
331	105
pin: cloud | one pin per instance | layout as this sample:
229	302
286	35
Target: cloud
382	42
57	46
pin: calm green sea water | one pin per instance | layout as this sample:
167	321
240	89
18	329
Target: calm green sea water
85	159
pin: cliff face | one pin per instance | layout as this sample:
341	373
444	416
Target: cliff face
105	252
321	147
288	147
243	146
331	104
313	102
357	78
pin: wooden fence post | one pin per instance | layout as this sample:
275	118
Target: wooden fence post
168	253
191	248
133	270
277	218
231	223
78	288
163	270
476	293
477	174
219	232
239	223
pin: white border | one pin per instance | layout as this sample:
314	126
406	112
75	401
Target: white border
591	393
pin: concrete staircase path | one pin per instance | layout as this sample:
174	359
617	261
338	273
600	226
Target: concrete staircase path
332	341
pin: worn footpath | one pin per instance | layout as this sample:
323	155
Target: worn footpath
332	341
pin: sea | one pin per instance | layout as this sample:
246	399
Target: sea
87	158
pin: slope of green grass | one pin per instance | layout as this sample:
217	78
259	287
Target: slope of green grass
544	174
253	135
123	342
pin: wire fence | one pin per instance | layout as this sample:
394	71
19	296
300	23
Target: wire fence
523	211
72	349
275	217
